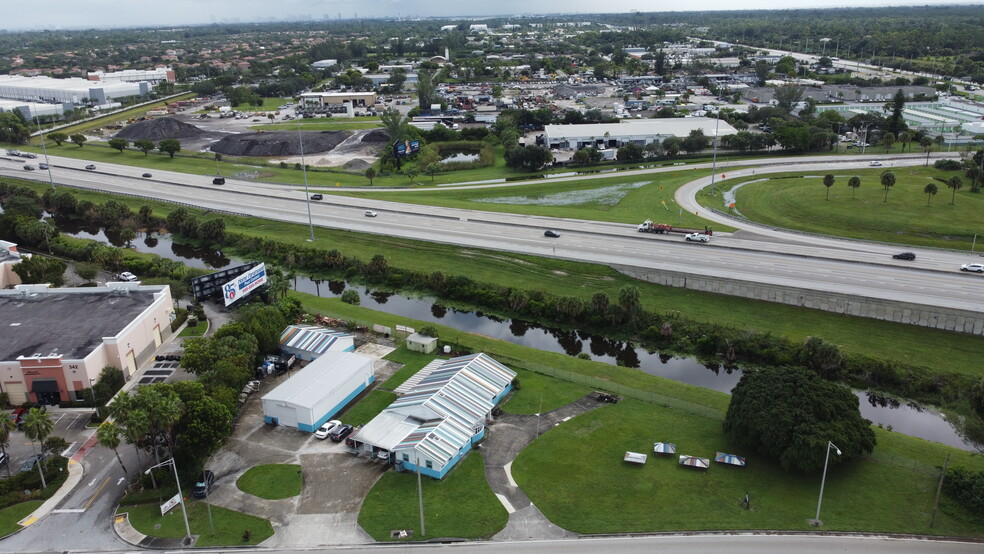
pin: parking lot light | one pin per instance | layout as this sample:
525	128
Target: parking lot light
184	511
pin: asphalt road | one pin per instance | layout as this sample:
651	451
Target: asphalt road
756	254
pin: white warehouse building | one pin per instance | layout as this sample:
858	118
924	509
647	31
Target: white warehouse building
72	90
641	132
319	391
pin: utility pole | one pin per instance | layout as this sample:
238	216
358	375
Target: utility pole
939	488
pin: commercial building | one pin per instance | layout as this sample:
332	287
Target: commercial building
55	342
319	391
8	257
641	132
436	423
322	99
156	75
73	90
34	109
308	342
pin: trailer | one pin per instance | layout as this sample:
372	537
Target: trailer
650	226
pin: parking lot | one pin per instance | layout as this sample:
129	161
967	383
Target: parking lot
69	425
335	481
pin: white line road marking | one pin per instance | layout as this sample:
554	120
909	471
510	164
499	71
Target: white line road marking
68	511
122	480
69	449
508	468
508	506
93	482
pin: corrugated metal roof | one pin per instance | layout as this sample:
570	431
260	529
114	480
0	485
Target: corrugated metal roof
310	338
679	127
319	378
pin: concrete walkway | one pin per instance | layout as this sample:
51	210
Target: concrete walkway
510	434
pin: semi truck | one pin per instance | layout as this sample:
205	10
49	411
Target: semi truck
650	226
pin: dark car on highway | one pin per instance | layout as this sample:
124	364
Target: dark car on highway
550	233
317	196
340	432
218	181
905	256
203	484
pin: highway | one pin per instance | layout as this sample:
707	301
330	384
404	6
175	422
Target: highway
755	253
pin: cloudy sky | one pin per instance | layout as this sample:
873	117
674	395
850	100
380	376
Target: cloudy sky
74	14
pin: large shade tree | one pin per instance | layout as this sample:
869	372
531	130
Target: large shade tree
790	413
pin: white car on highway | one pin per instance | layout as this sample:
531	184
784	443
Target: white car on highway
977	268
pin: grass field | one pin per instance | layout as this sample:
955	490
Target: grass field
323	124
575	475
461	505
271	481
799	203
10	515
368	407
539	393
270	104
196	331
229	525
412	362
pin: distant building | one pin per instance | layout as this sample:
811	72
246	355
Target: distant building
156	75
479	28
73	90
322	99
324	64
641	132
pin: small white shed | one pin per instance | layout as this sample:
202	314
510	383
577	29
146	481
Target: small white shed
421	343
319	391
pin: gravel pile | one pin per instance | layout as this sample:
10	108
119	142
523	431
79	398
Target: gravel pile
356	165
159	129
278	143
376	135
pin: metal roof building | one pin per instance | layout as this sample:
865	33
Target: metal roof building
319	391
438	420
307	342
641	132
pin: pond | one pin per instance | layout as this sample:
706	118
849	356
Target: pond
902	417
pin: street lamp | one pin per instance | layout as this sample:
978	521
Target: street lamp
300	140
184	511
823	480
44	149
714	159
864	141
92	391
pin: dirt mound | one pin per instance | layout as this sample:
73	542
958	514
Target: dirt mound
356	165
159	129
376	135
278	143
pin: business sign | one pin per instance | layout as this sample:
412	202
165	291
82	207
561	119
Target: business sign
404	148
171	502
241	286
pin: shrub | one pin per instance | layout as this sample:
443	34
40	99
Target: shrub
947	165
350	297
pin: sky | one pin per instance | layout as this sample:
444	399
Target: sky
73	14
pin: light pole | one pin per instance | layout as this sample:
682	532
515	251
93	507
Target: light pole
823	480
300	140
420	496
864	142
93	392
714	158
184	512
44	149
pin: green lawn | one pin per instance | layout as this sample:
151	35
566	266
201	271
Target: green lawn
539	393
575	475
461	505
229	525
10	515
368	407
271	481
270	104
799	203
196	331
412	362
323	124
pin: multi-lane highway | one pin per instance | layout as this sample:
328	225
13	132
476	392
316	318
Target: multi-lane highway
756	254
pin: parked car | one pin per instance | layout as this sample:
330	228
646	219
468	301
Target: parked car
699	237
326	429
340	432
126	276
218	181
317	197
29	463
90	166
17	416
42	166
978	268
3	459
551	234
146	175
905	256
875	163
204	483
370	213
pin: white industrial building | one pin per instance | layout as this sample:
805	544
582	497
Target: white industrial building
319	391
439	419
156	75
55	342
308	342
321	99
641	132
72	90
31	110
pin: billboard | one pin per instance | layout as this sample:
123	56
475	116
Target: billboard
403	148
241	286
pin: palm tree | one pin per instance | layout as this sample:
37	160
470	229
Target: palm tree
887	181
954	183
927	144
108	435
888	139
930	189
828	181
628	299
37	427
905	138
370	174
854	183
6	426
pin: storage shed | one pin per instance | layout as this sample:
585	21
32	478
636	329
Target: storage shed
421	343
319	391
307	342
